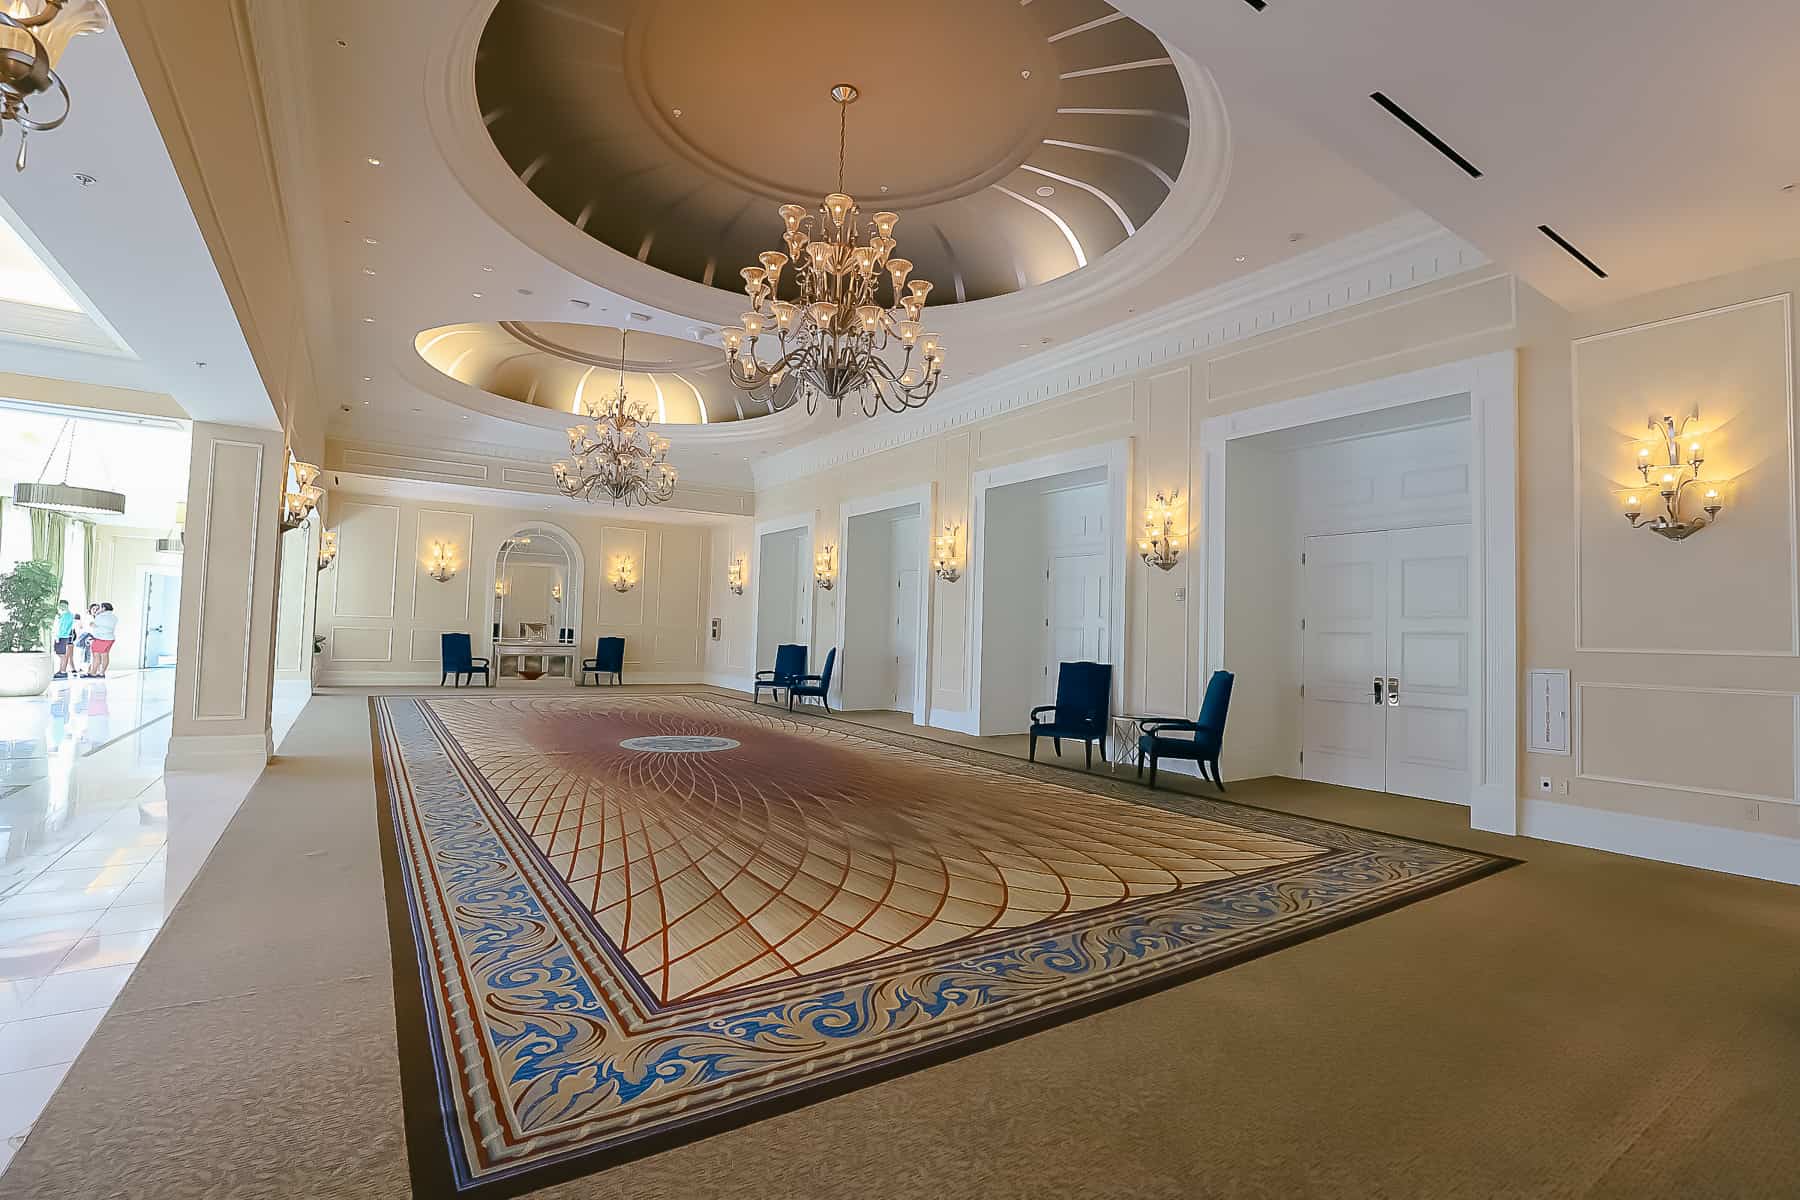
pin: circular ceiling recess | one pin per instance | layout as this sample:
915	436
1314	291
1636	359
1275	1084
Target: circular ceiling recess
560	367
1017	142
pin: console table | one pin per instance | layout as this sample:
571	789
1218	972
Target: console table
544	652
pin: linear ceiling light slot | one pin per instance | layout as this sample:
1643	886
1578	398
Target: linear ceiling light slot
1258	5
1436	143
1569	246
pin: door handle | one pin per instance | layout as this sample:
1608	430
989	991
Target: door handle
1393	690
1378	689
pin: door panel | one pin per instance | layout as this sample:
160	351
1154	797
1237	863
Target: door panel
905	637
1431	653
1078	614
1345	598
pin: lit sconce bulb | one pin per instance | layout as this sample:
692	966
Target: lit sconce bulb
733	339
772	261
839	206
1644	453
1631	502
1712	493
785	315
753	325
753	278
791	216
1668	480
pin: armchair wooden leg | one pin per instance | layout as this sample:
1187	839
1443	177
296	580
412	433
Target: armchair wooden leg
443	678
1057	743
1218	779
1140	770
1031	754
1153	770
1088	745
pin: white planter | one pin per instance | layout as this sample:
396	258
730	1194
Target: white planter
26	674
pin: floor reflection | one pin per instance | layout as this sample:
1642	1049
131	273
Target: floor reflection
96	846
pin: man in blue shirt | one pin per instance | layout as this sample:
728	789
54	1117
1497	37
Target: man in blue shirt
65	638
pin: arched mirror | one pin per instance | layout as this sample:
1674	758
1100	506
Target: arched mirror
537	603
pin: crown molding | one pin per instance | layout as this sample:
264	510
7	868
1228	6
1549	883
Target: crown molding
1406	252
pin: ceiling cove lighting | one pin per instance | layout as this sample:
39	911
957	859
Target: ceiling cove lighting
1671	480
835	335
65	496
617	456
33	36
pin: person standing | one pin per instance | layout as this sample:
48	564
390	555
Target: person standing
84	640
106	628
65	638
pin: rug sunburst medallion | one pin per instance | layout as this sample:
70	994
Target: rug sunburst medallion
637	917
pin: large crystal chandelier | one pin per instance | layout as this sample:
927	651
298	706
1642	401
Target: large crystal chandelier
616	456
835	335
33	36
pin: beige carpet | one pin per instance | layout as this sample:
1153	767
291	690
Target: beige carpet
1582	1025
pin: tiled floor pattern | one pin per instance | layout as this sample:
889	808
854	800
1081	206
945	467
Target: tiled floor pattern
85	881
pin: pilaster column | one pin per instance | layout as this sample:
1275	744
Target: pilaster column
224	672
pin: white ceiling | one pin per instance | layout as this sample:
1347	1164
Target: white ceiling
1656	135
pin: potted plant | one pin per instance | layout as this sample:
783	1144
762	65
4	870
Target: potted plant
27	606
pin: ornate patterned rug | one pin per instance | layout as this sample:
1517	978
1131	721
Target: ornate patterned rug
623	921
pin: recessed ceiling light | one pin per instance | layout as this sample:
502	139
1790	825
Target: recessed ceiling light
200	364
465	416
1046	190
487	268
342	42
477	295
368	320
884	188
1243	258
368	270
1024	345
1024	74
84	179
365	403
373	161
368	379
675	112
524	291
369	241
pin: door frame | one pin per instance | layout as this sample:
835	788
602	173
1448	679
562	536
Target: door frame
143	572
802	521
1491	383
1115	456
925	496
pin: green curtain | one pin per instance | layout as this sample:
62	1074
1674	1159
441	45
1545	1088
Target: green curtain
87	562
47	539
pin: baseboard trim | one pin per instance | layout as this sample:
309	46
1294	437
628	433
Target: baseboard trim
1757	855
956	720
196	752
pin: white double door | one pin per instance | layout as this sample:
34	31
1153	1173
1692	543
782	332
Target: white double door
1388	667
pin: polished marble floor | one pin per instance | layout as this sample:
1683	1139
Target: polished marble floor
96	846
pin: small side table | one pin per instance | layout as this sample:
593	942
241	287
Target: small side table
1126	728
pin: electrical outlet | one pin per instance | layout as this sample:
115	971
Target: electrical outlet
1562	787
1181	595
1752	811
1544	784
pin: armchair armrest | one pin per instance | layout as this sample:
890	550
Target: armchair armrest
480	662
1042	708
804	679
766	675
1179	725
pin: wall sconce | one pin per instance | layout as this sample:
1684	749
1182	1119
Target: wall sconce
298	504
624	576
1161	544
556	592
1671	481
442	566
327	548
825	567
945	560
735	576
501	588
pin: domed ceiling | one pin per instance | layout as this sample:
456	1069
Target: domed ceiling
1017	141
556	366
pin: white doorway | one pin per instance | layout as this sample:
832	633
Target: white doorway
883	616
783	592
160	610
1401	494
1388	666
1049	590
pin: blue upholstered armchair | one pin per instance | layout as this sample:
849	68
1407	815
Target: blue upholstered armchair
1083	703
790	666
818	687
609	659
1204	736
459	660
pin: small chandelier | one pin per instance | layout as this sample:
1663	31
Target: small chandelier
825	567
65	496
616	456
835	334
443	562
1161	545
735	576
1671	481
945	561
298	502
33	36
